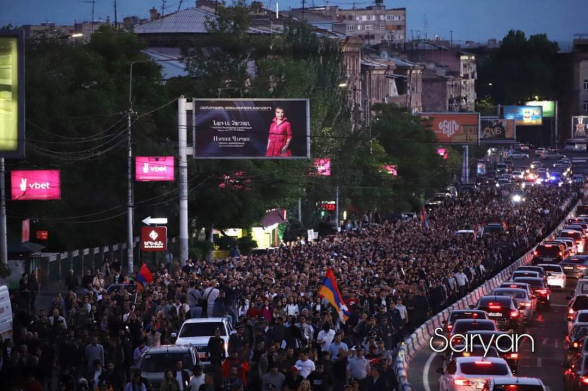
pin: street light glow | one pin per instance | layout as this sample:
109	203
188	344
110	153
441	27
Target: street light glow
76	35
343	85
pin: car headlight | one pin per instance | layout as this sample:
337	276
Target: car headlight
517	198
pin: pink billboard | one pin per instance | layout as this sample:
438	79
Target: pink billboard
323	166
390	169
150	168
35	185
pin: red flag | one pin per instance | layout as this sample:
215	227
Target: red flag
143	277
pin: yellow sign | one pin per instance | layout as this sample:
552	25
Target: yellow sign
10	99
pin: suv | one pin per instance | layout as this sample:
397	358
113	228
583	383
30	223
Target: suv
547	253
156	360
197	332
504	310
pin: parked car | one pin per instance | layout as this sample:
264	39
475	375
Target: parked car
551	155
539	151
517	155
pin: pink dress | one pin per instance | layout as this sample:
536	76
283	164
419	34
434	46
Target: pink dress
279	135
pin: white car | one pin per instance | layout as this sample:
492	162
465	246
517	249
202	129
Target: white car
569	243
515	383
580	318
197	332
517	155
555	275
471	373
539	151
517	175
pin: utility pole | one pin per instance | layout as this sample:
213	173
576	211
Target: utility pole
130	240
163	7
93	2
451	42
115	16
183	146
303	7
3	232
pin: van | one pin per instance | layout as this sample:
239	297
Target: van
5	314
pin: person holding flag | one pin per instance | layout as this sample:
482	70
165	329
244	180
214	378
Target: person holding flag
144	277
424	218
330	291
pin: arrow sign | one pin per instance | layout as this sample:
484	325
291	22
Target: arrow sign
159	220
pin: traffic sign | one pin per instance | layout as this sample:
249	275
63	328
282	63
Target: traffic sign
158	220
153	239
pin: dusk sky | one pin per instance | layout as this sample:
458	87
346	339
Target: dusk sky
469	19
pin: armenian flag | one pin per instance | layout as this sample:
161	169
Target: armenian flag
424	218
330	292
144	277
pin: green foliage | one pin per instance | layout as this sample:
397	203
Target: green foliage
203	246
246	244
194	253
225	242
294	229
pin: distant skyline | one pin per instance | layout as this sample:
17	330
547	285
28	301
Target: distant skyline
477	20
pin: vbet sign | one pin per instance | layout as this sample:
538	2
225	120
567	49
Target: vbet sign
149	168
35	185
469	340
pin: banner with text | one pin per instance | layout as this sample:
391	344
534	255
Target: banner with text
495	130
35	185
252	129
454	128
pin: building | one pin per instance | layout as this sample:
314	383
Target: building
52	30
445	65
374	24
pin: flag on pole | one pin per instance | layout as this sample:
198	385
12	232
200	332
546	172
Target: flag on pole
424	218
144	277
330	291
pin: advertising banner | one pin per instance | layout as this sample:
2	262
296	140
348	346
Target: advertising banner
42	235
390	169
579	127
154	168
35	185
455	128
251	129
547	105
328	205
497	130
524	115
323	166
153	239
12	107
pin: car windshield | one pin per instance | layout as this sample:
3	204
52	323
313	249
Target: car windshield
583	317
552	268
484	368
581	303
462	327
515	294
517	387
534	282
201	329
161	362
580	332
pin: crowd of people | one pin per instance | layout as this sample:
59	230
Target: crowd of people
392	277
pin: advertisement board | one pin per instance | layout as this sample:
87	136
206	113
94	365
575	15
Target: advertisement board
524	115
328	205
547	105
153	239
495	130
390	169
251	129
42	235
154	168
29	185
12	92
454	128
323	166
579	126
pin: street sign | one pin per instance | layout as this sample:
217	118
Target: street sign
42	235
153	239
155	221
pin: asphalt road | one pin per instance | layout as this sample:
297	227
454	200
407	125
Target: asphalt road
548	331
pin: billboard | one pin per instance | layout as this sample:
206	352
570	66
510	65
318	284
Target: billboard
153	239
42	235
547	105
579	127
35	185
495	130
455	128
251	128
154	168
12	105
390	169
524	115
323	166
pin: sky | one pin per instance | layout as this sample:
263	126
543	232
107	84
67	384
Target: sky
476	20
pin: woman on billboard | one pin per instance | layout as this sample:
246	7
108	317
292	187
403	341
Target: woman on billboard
280	135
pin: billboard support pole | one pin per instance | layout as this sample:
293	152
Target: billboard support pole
3	240
183	164
465	177
337	207
556	130
130	241
300	209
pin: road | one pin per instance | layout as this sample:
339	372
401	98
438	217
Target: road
548	331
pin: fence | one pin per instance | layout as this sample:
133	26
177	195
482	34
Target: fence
420	338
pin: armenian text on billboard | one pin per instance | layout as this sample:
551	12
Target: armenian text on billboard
252	129
497	130
455	128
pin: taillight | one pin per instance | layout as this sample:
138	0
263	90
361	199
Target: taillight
462	382
571	311
582	267
514	313
576	344
514	356
449	327
535	252
466	354
526	304
493	306
542	291
584	379
483	363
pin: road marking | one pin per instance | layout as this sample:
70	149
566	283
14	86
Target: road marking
539	361
426	371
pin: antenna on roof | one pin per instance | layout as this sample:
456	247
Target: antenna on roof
163	7
93	2
180	5
115	17
303	8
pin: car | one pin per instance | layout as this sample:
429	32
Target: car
580	317
519	285
509	164
501	168
502	182
570	244
574	341
517	175
539	151
469	351
539	287
198	331
491	338
547	253
576	374
525	301
514	384
575	266
577	236
523	273
555	275
581	287
577	303
517	155
504	310
582	211
455	315
462	326
551	155
575	227
536	269
471	373
536	164
158	359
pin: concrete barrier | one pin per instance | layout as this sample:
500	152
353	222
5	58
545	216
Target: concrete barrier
414	343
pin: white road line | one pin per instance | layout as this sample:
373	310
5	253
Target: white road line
426	371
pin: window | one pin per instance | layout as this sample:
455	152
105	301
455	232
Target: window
349	17
382	27
369	27
373	17
586	84
389	17
358	27
382	17
586	105
350	27
364	17
358	17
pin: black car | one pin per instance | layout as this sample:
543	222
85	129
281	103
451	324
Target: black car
455	315
574	342
576	375
469	351
512	358
575	266
504	310
539	288
462	326
576	304
547	253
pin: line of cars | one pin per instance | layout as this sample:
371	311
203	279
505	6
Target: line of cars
492	364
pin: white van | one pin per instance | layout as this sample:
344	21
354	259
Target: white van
5	314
